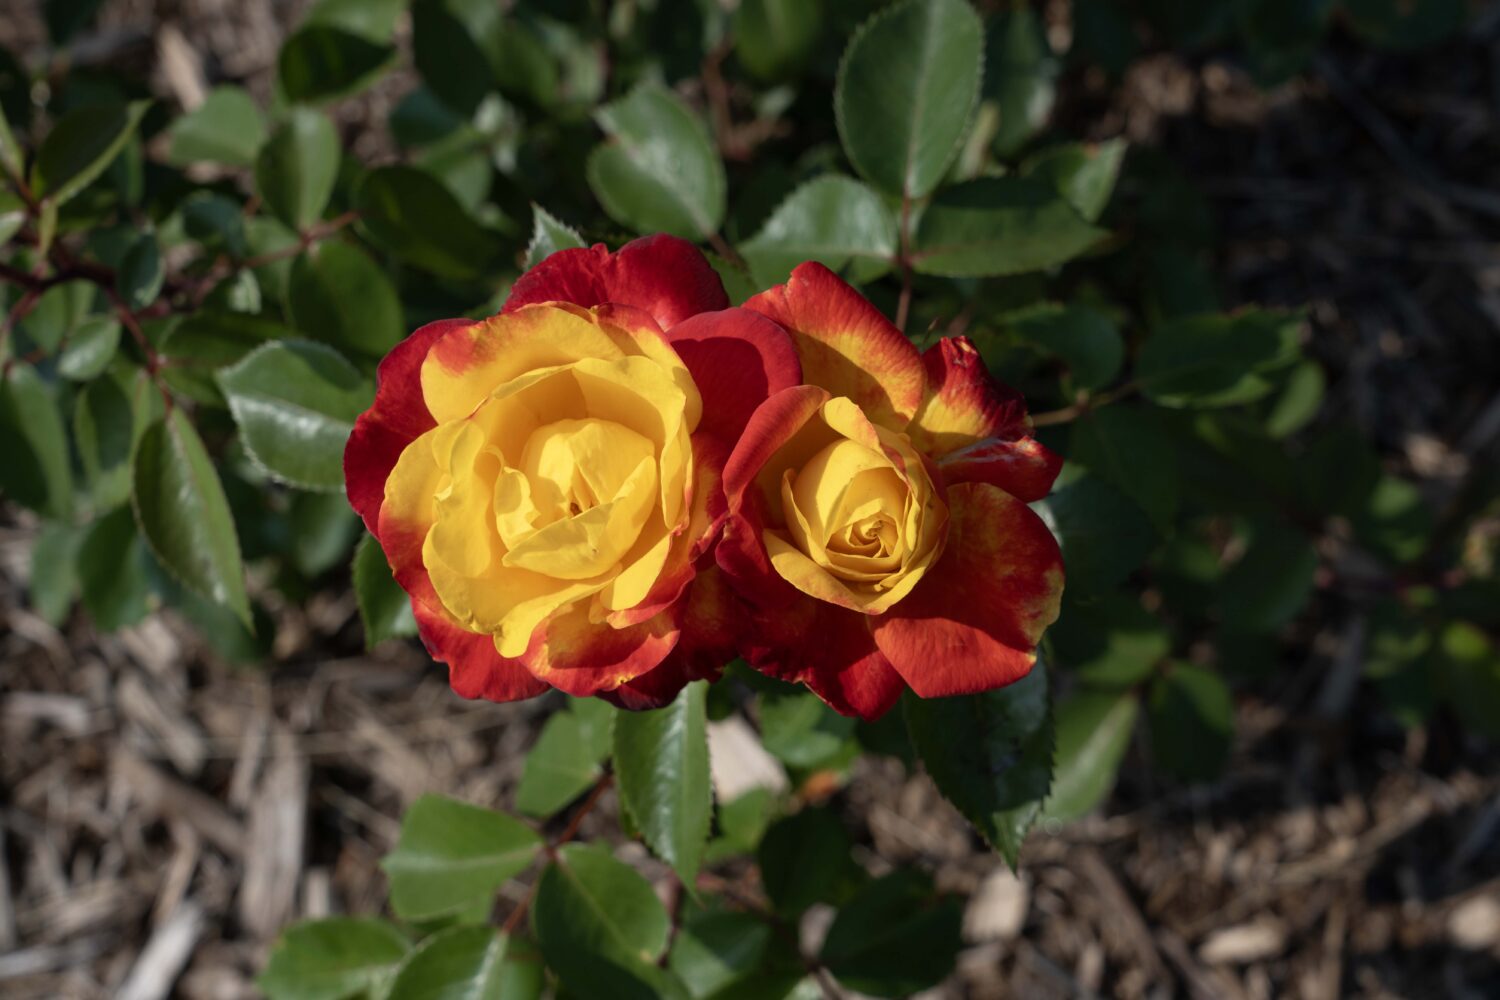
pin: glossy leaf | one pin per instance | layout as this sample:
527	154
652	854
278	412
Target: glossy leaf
1272	581
452	855
80	146
895	937
834	220
141	274
1020	77
12	215
58	312
322	61
448	53
601	927
1110	641
297	166
384	607
990	755
337	294
334	958
36	472
52	585
1129	447
713	951
800	730
112	571
226	128
1216	360
567	759
295	403
1191	722
549	234
661	759
1093	733
90	349
1083	338
998	226
906	90
1103	533
468	963
775	39
1084	174
805	859
410	214
12	163
658	171
194	349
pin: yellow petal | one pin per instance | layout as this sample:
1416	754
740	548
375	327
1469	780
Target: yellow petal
592	542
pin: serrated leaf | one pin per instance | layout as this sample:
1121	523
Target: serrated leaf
805	859
713	951
80	146
990	755
601	927
468	963
295	403
451	855
335	958
1020	81
659	171
337	294
384	608
661	760
906	90
567	758
549	235
1103	533
412	215
112	571
323	61
1083	338
800	730
1205	361
999	226
895	937
1083	173
226	128
52	585
297	166
36	472
1093	733
1128	447
180	506
194	349
834	220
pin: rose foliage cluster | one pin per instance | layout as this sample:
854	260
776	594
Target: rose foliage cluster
619	483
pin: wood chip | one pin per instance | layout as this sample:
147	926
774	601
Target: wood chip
164	956
174	799
739	761
1245	943
278	820
997	912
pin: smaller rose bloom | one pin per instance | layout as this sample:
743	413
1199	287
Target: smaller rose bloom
878	525
546	484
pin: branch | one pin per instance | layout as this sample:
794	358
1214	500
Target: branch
569	832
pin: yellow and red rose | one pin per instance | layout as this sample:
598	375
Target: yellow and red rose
546	483
618	482
878	523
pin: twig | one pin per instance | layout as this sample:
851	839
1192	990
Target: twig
569	832
1084	404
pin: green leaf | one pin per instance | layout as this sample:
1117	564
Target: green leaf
295	403
1300	399
216	221
141	274
468	963
990	755
226	128
339	295
567	758
12	215
1393	520
452	855
412	215
549	235
323	528
384	607
1192	722
1109	642
997	226
321	61
372	19
90	349
194	350
109	416
895	937
661	760
741	823
906	89
775	39
1130	448
11	160
800	730
1272	582
1093	732
80	146
180	506
448	53
805	859
1083	338
714	951
1216	360
1469	666
601	927
659	171
1020	77
834	220
36	472
58	312
1084	174
297	167
112	571
1104	535
333	959
53	582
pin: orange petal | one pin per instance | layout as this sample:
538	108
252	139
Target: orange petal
475	668
575	653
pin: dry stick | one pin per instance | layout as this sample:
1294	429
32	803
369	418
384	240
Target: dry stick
600	787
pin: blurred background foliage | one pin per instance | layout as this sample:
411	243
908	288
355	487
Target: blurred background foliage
196	297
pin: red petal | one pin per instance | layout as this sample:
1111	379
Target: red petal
973	622
475	668
772	424
396	418
831	650
666	276
845	344
583	657
711	616
976	428
738	358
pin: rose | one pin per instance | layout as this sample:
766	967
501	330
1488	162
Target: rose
877	524
546	483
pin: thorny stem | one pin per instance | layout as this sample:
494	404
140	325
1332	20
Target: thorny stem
569	832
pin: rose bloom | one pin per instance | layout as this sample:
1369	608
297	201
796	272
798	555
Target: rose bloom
546	483
878	522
